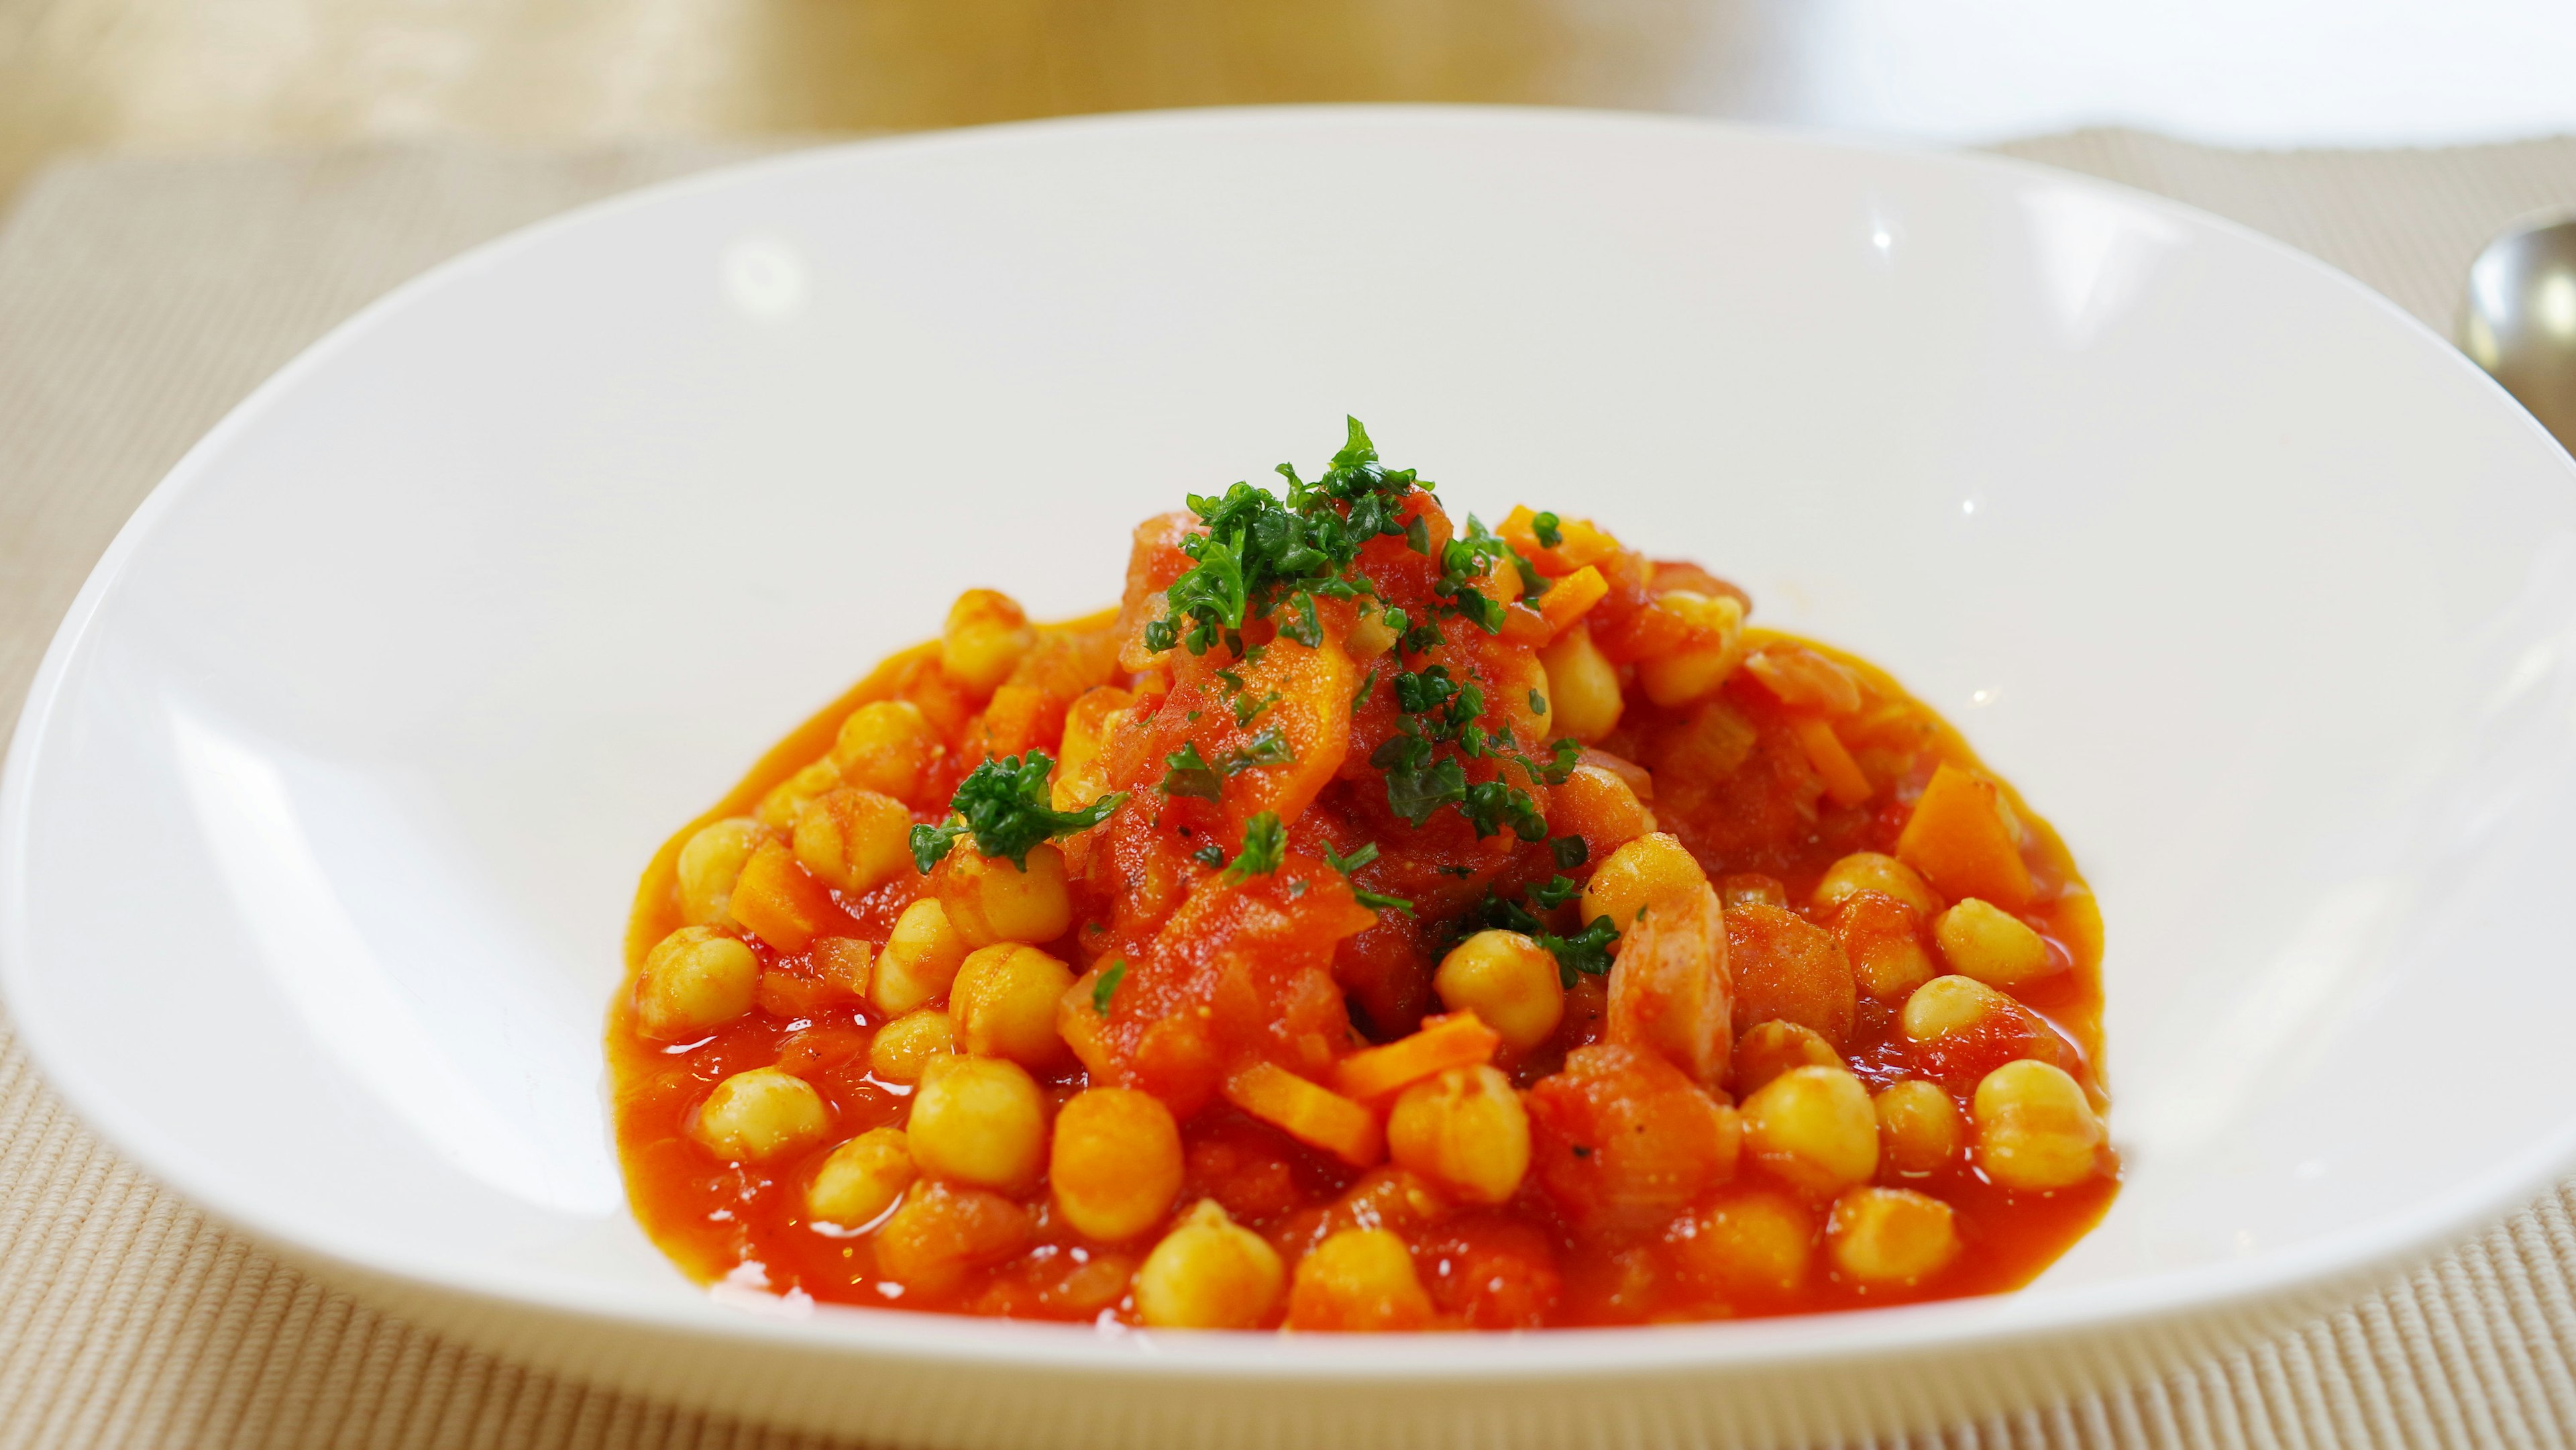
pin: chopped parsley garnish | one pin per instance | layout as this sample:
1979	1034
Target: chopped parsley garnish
1265	845
1373	900
1210	854
1247	708
1537	703
1107	986
1005	804
1260	551
1464	562
1550	530
1586	952
1368	684
1190	774
1569	851
1267	748
1420	780
1555	892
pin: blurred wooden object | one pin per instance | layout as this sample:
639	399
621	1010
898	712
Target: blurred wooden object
86	74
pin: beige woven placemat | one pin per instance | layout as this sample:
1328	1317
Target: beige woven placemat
141	298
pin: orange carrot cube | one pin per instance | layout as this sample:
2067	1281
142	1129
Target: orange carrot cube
1578	543
1315	1116
1959	839
1570	598
777	901
1460	1039
1844	783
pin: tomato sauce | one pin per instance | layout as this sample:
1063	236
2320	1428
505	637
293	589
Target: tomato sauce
1238	997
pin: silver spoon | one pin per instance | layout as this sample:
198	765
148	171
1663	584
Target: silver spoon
2518	318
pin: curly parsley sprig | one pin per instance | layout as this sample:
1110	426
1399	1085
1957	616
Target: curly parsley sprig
1005	804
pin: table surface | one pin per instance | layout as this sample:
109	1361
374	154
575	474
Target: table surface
140	298
86	74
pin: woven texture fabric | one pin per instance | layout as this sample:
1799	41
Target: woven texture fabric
141	298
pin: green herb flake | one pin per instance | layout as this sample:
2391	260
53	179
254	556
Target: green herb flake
1265	845
1550	530
1189	774
1555	892
1569	851
1210	855
1107	986
1373	900
1537	703
1267	748
1005	805
1586	953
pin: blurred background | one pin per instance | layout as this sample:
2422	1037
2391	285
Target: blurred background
85	75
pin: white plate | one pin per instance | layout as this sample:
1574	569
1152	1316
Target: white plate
321	823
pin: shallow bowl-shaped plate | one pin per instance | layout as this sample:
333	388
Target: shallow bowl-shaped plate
322	819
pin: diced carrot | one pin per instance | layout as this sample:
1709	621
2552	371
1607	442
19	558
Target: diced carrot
1572	597
1314	1116
781	904
1460	1039
1844	783
1525	626
1802	677
1958	839
1578	543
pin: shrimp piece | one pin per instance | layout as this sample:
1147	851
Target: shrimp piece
1670	993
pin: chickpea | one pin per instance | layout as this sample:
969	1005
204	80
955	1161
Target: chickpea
986	637
1464	1129
1813	1128
990	900
1004	1002
1881	937
1990	944
1773	1048
1950	1004
1751	888
884	747
905	1046
944	1229
861	1179
695	979
1360	1279
1510	982
1596	804
2034	1128
1644	871
1751	1241
1870	871
779	807
1115	1165
1891	1235
1702	663
978	1120
709	864
1208	1273
761	1115
1583	697
1919	1130
920	959
856	840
